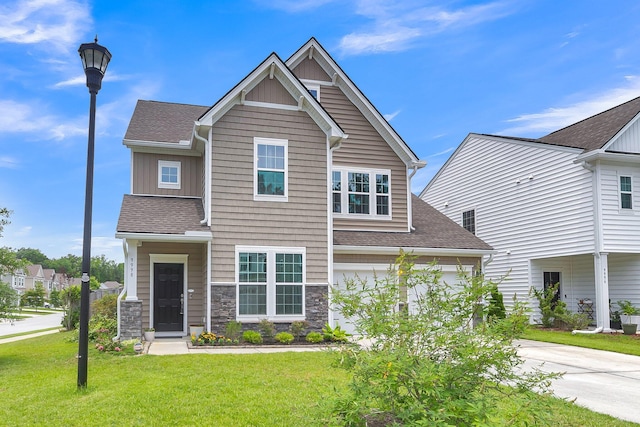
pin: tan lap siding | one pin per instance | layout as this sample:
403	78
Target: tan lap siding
145	175
196	280
365	148
271	90
239	220
310	70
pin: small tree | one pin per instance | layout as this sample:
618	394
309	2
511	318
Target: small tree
550	307
54	298
428	365
8	301
71	300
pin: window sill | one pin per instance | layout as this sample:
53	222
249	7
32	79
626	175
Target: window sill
274	319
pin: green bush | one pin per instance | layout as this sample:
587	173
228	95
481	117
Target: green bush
252	337
107	306
315	337
336	334
284	337
267	328
233	329
496	305
298	327
550	309
431	366
574	321
102	325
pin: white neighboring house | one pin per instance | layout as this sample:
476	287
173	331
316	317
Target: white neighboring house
562	208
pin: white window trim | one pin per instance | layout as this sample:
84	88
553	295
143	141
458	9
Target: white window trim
271	252
267	197
620	192
344	193
475	222
313	86
170	164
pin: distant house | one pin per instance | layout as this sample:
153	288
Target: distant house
16	280
564	208
252	208
35	275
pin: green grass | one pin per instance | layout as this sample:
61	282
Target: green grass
618	343
28	333
38	379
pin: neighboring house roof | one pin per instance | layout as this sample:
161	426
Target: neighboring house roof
161	215
154	121
432	230
49	273
34	270
110	285
594	132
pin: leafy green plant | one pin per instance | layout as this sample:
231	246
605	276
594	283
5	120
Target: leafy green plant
298	327
284	337
106	306
102	325
550	307
496	305
252	337
430	365
267	328
574	321
8	300
628	309
336	334
233	329
314	337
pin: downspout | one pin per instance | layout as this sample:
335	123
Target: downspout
331	280
415	166
207	183
124	288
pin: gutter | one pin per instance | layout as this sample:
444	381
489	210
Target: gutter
124	289
415	165
196	124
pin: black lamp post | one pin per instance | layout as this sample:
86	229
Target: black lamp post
95	59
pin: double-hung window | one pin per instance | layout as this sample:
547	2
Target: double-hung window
168	174
626	195
361	192
469	220
270	282
270	171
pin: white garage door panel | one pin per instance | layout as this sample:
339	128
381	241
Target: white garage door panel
342	272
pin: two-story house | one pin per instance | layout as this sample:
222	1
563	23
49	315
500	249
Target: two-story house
564	208
252	208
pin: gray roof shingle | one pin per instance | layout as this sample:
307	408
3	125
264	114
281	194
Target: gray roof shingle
160	215
594	132
163	121
432	230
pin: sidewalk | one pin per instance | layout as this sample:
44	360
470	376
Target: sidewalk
167	346
34	323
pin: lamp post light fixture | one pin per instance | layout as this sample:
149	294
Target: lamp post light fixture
95	59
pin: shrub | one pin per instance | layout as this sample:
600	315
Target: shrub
106	306
574	321
298	327
267	328
102	325
315	337
284	337
336	334
233	329
496	305
430	365
252	337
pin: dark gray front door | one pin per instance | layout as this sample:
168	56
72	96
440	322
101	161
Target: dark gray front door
168	285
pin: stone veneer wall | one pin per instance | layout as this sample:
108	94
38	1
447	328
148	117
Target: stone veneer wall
223	309
130	320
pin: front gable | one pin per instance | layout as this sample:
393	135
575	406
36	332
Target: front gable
627	140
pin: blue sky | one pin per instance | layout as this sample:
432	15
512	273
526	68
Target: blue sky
436	69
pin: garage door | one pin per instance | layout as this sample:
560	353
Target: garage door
344	272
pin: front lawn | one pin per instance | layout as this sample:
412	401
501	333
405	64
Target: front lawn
38	387
627	344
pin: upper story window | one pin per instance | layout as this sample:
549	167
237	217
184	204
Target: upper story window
314	90
626	198
469	220
270	171
168	174
358	192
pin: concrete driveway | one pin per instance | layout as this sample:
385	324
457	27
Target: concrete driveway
602	381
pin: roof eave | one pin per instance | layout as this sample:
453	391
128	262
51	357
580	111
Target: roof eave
187	237
394	250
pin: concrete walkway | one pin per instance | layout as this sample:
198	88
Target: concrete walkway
165	346
602	381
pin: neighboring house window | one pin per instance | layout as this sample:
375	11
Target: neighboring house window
18	282
365	192
270	282
270	178
168	174
626	199
469	220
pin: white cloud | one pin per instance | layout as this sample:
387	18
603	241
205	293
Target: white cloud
81	80
57	23
391	116
110	247
397	24
16	117
8	162
554	118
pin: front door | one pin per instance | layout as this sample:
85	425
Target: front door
551	279
168	297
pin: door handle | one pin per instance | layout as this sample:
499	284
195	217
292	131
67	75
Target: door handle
181	303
